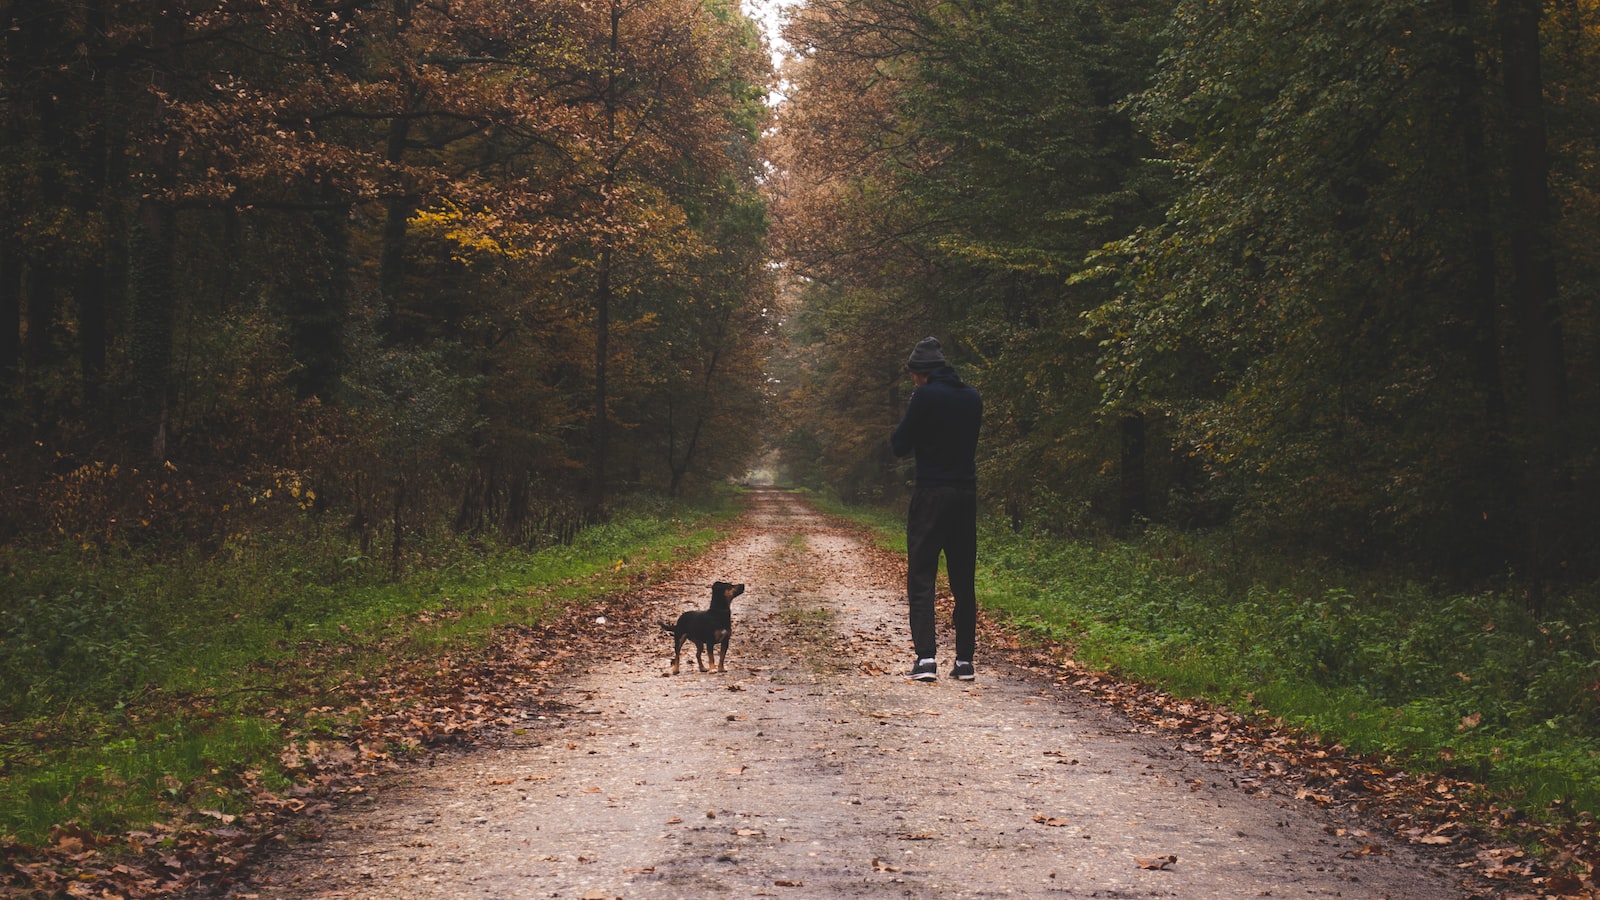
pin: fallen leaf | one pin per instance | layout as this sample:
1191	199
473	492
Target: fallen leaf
1052	821
1565	886
1155	862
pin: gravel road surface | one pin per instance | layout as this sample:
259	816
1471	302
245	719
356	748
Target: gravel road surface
814	768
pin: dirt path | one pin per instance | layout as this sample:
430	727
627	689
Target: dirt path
814	768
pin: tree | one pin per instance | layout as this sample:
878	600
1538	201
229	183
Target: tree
1322	309
1534	285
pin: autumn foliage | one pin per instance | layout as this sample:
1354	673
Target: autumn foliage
371	262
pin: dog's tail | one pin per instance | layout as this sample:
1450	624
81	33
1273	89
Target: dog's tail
668	626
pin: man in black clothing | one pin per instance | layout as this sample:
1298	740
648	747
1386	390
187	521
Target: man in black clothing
941	427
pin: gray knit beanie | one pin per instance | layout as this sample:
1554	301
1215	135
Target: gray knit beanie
926	356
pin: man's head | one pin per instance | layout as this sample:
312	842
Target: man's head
926	358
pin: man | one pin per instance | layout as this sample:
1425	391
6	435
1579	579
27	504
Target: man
941	427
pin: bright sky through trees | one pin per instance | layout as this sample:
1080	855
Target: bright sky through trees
768	16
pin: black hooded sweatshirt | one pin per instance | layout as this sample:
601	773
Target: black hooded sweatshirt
941	427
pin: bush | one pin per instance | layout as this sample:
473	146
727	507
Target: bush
82	645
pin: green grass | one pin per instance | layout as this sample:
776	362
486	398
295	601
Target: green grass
1467	684
135	688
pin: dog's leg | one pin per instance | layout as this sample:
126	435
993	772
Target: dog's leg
677	650
698	662
722	659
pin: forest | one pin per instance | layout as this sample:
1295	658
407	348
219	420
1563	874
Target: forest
302	300
1322	272
475	263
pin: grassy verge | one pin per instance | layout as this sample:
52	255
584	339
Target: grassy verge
1469	685
133	690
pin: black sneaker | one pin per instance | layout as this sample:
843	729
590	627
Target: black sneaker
925	670
962	671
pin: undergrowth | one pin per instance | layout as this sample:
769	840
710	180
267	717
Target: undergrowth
1472	685
134	685
1467	684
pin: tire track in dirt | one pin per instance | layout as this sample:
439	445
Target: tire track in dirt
814	768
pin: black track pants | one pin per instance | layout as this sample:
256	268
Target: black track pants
942	520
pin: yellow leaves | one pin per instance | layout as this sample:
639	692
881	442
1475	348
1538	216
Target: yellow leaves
475	234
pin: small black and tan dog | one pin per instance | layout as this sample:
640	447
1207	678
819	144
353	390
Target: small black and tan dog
706	627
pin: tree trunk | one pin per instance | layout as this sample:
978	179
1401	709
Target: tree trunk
397	211
151	315
317	313
1479	306
12	46
92	289
599	430
93	284
152	289
1135	504
10	320
38	348
600	427
702	409
42	280
397	530
106	315
1534	289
